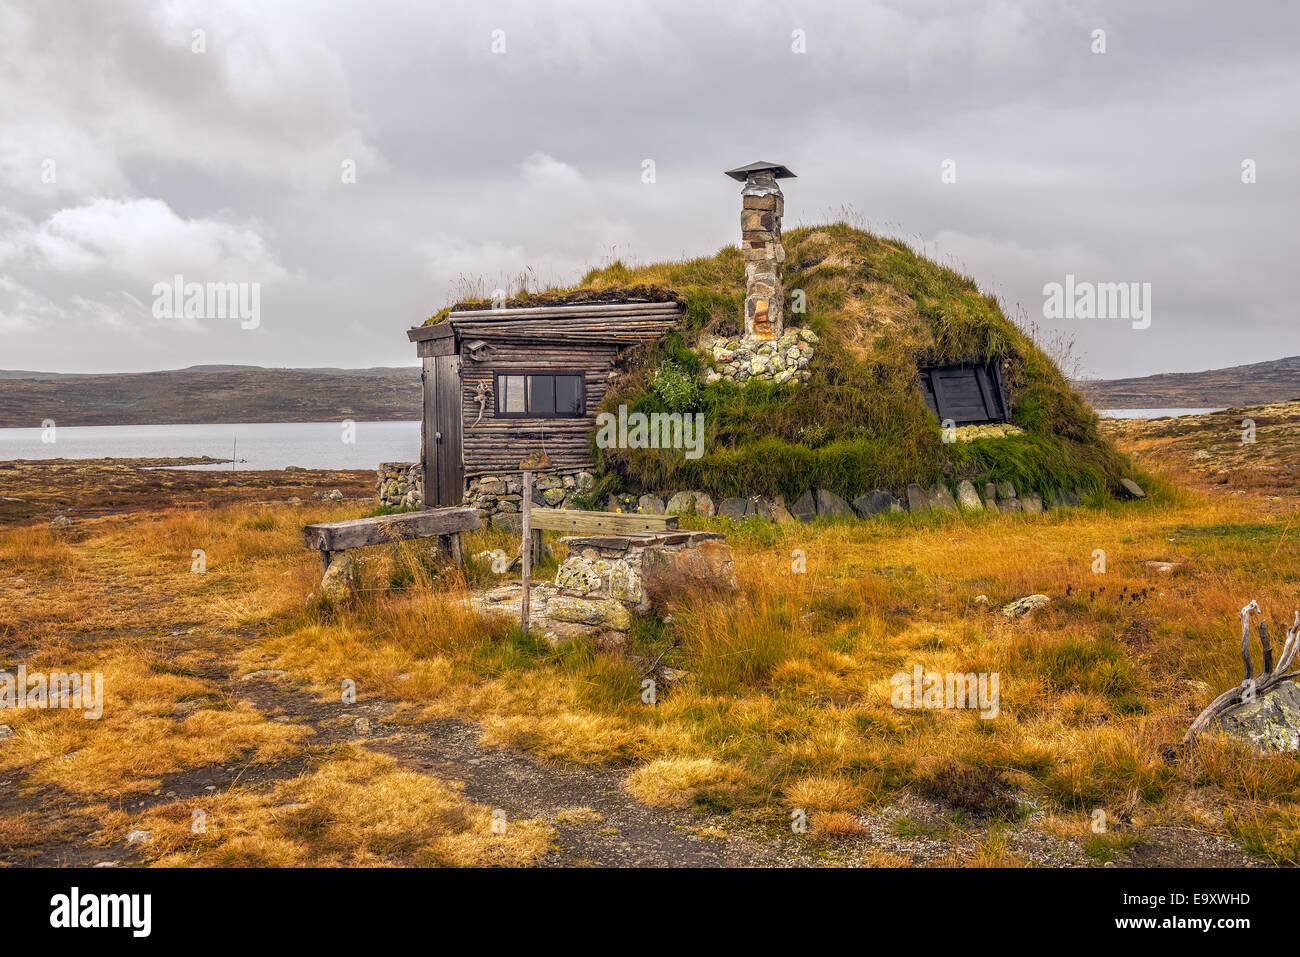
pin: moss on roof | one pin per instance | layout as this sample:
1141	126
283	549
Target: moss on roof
882	312
569	297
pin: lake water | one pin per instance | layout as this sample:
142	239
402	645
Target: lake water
273	445
1150	413
259	445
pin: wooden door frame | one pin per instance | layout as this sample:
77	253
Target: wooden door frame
439	493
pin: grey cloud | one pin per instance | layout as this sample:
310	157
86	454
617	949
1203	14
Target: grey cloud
1124	166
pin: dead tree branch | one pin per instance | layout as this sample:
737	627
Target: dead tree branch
1252	686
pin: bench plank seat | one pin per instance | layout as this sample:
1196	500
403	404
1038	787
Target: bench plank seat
381	529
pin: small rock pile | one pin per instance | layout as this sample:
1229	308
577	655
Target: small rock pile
496	494
399	484
783	360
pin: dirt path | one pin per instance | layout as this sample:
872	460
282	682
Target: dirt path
626	833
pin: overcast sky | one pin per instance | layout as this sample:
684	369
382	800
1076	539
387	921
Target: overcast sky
126	158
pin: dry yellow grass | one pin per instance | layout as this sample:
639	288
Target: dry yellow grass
788	705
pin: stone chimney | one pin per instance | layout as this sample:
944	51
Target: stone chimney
763	205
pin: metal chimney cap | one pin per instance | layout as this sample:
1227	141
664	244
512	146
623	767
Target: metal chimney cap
741	173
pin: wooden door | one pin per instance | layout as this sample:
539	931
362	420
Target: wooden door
444	468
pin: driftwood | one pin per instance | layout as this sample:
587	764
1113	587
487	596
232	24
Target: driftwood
1252	686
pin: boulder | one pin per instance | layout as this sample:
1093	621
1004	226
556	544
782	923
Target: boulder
990	493
1009	505
941	498
703	504
511	522
1006	490
61	521
828	503
968	498
760	508
650	505
553	496
734	508
780	513
340	581
1032	504
917	500
805	509
580	576
1269	723
1023	606
1130	489
680	504
666	575
1072	498
595	612
875	503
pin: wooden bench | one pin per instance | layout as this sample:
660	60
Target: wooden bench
445	523
596	523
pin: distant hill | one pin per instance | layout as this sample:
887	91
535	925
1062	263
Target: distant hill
208	394
1259	383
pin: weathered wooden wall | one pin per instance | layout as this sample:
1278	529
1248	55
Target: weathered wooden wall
498	444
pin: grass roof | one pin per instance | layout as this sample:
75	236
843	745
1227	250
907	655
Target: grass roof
882	312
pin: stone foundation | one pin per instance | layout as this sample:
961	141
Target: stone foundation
608	576
503	494
400	484
783	360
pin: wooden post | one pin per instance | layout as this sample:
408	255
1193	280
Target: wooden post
537	460
526	551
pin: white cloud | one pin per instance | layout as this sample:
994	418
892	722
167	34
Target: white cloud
142	239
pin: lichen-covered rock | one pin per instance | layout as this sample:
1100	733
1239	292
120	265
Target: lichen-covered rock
1271	722
595	612
968	498
941	498
703	504
1023	606
61	521
650	505
680	503
340	581
581	576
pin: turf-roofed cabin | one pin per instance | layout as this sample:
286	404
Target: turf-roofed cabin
503	383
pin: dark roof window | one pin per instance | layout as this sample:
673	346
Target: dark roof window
966	394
